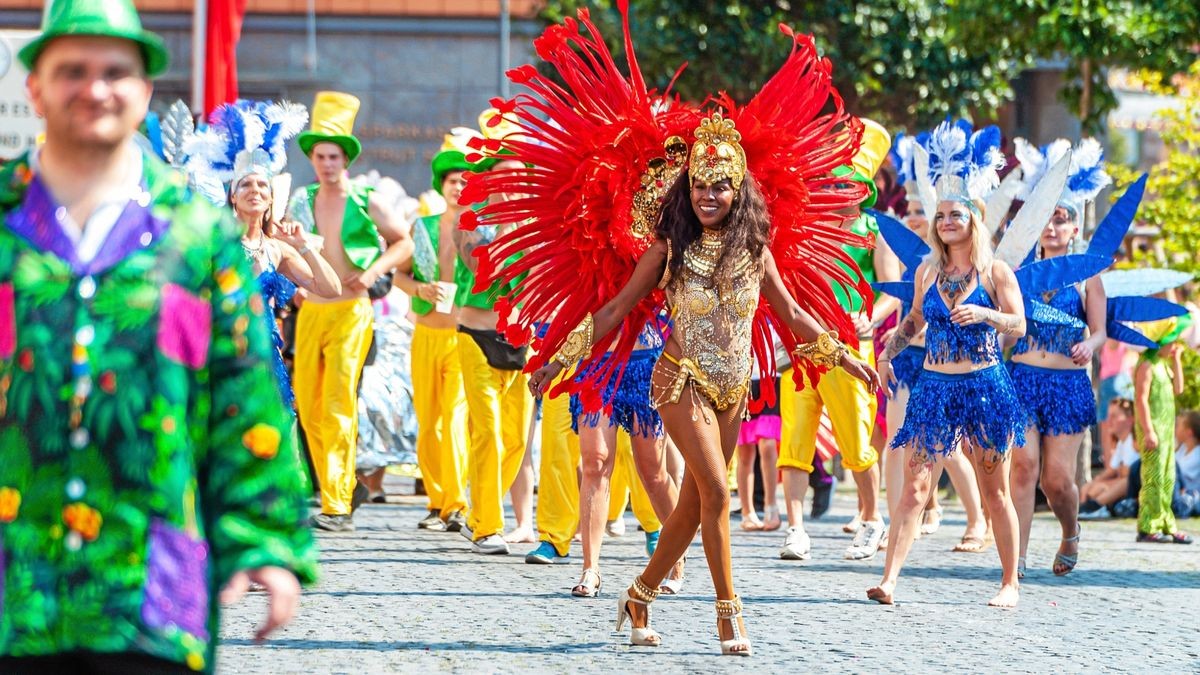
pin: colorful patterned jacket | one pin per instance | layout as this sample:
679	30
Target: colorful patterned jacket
145	454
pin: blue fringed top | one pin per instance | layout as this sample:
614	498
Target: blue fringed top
947	342
1052	338
277	291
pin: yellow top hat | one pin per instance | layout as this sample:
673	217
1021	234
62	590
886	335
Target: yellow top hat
874	148
333	116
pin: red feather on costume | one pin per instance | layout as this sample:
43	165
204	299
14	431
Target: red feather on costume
587	145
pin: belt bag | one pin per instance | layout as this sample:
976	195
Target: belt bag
499	354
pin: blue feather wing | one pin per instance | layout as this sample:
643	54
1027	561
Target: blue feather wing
1059	272
1118	283
1128	335
908	247
1143	309
1111	231
903	290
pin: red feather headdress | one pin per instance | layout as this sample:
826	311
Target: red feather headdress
597	145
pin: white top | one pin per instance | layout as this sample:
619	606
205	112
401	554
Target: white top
91	236
1125	454
1188	462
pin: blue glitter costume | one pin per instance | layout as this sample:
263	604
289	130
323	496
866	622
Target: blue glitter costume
627	404
907	367
277	291
980	406
1059	400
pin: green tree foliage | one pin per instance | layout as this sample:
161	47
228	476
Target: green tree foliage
893	60
1090	35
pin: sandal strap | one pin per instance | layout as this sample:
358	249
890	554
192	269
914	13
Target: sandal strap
641	592
589	572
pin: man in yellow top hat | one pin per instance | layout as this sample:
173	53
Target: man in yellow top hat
850	405
145	451
333	335
438	398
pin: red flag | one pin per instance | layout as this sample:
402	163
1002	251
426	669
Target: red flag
220	70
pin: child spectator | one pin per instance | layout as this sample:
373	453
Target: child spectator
1098	496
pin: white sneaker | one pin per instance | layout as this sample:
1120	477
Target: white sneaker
490	545
796	545
616	528
866	540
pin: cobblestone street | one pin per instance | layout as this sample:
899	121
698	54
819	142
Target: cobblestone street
396	599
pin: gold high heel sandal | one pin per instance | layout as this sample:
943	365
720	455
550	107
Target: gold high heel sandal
638	594
731	611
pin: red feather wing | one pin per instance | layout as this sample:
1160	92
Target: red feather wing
587	143
795	132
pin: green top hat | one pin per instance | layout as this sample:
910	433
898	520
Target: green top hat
452	156
333	116
98	18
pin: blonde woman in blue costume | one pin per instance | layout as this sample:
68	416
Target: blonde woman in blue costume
965	300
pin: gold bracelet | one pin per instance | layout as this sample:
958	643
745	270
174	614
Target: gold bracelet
826	351
578	344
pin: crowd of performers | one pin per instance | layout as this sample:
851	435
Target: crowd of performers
667	284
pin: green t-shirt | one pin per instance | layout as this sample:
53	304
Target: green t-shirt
848	297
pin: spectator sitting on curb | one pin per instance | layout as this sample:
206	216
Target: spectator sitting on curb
1111	486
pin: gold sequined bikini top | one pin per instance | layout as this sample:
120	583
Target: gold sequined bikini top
713	319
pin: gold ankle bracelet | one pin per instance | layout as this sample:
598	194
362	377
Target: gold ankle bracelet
643	592
728	609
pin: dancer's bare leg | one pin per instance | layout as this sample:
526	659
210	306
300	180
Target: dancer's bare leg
674	461
962	475
795	484
707	440
1060	456
992	472
894	464
745	483
650	461
597	455
906	522
768	457
1026	466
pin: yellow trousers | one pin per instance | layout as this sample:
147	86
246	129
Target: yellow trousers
441	409
558	481
499	405
332	340
626	484
851	409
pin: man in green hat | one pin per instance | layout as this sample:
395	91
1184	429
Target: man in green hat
850	406
145	455
333	335
438	398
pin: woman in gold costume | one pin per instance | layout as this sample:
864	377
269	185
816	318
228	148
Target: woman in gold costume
711	258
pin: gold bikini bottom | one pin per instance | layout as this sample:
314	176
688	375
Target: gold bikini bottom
687	371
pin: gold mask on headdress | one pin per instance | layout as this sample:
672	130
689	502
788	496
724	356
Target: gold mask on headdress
717	153
660	174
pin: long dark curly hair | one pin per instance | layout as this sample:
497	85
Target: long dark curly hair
747	227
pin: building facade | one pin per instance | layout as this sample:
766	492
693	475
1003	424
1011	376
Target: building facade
420	67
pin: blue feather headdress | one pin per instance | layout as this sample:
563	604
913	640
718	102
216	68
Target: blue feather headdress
243	138
1085	179
963	164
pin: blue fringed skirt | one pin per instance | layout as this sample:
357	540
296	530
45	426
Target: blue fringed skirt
907	367
980	406
630	400
1059	401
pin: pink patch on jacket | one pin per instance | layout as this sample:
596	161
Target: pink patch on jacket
185	327
8	322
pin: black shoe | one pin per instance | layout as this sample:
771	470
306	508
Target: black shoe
822	495
359	496
432	521
332	523
456	522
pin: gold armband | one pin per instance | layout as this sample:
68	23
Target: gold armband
578	345
826	351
